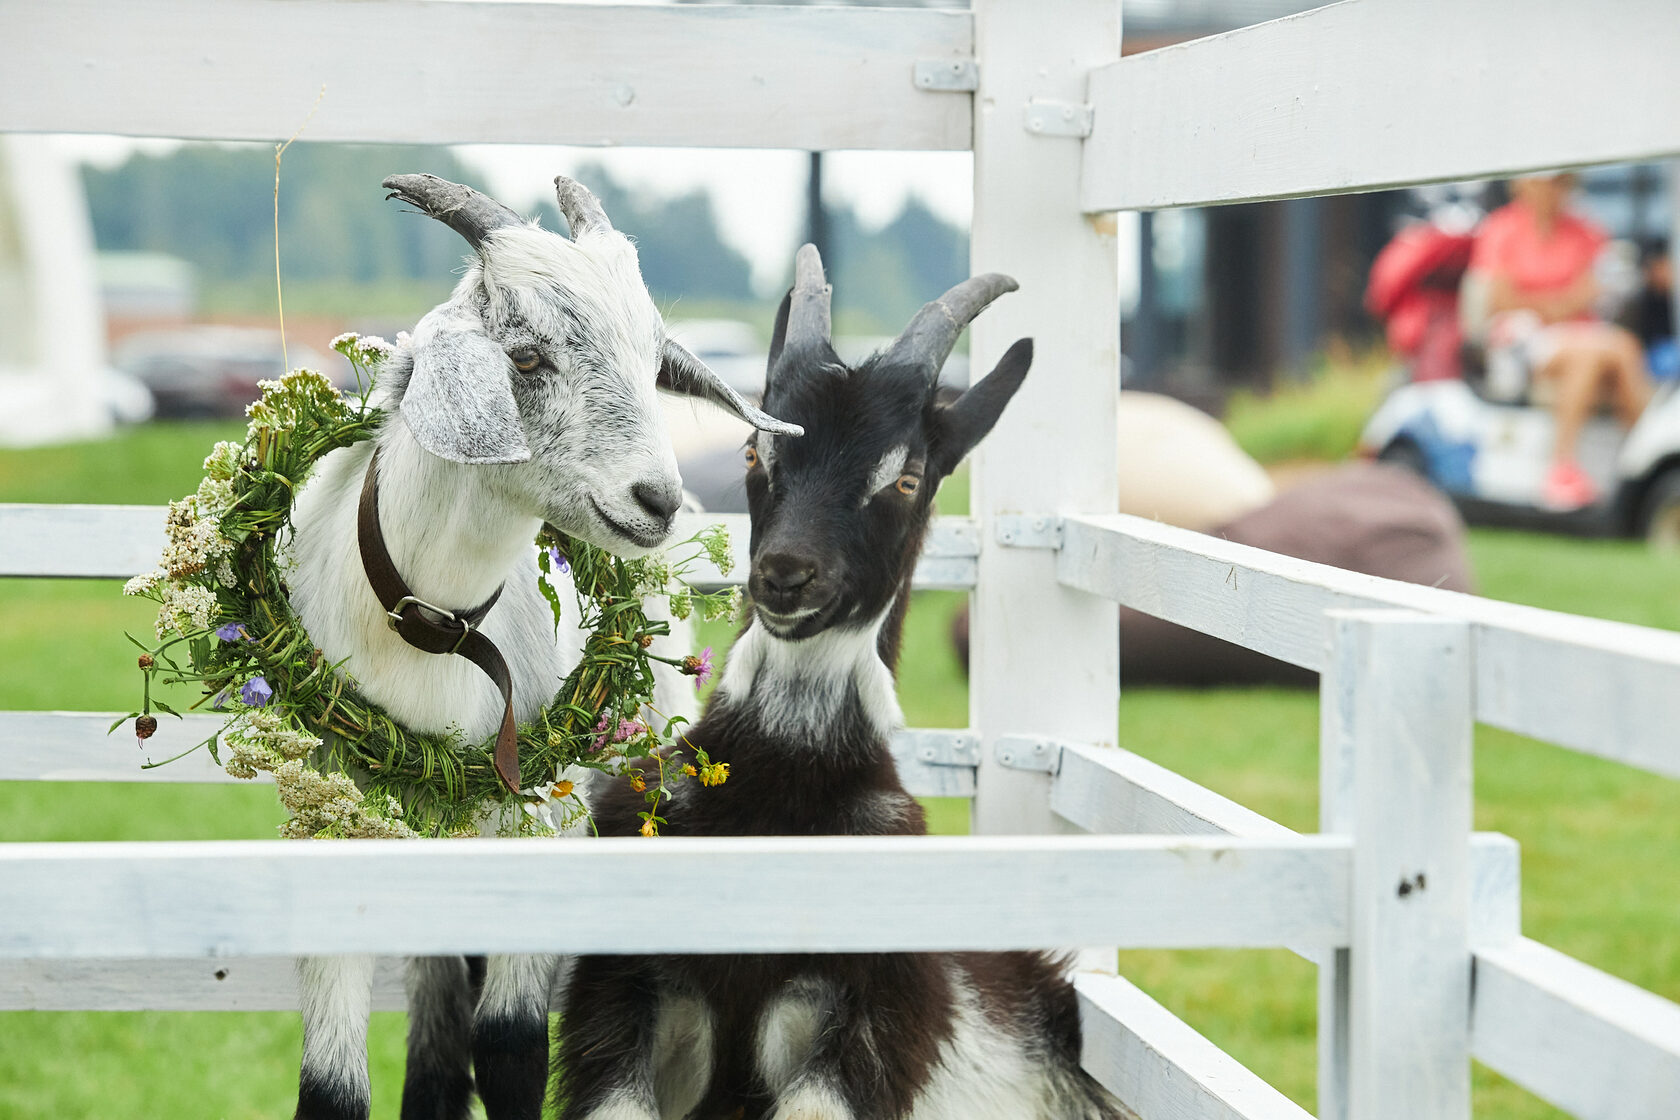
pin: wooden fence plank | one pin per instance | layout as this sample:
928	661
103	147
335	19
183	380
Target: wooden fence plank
1397	709
1603	688
246	984
74	747
1111	790
1370	94
1044	658
1159	1067
823	894
1594	1045
439	72
115	542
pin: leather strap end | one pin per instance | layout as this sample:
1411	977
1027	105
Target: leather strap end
507	751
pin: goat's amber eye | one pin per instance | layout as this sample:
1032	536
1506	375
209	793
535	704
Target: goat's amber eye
525	360
907	483
752	458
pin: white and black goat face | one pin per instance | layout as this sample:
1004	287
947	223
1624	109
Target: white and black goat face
838	514
543	367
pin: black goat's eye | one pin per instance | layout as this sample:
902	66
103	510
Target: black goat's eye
752	458
525	360
907	483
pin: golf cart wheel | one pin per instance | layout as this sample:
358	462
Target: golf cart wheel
1405	453
1660	515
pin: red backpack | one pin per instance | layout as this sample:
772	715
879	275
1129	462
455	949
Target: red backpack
1414	291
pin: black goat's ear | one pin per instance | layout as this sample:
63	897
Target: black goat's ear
965	422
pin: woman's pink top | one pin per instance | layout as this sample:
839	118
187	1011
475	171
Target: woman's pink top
1509	244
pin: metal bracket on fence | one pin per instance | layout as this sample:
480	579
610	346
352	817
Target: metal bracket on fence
1058	118
1021	531
947	75
939	747
1028	752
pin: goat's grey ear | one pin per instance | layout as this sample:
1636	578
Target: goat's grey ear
459	402
682	372
967	419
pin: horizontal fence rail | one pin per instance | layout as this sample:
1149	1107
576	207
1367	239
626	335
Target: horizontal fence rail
1161	1067
1113	791
205	984
75	747
1590	1043
1369	94
1602	688
268	898
116	542
444	71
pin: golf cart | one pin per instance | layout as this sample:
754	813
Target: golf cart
1491	458
1476	432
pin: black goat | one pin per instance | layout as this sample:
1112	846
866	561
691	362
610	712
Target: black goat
804	715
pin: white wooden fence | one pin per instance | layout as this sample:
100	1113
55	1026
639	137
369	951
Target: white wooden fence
1412	919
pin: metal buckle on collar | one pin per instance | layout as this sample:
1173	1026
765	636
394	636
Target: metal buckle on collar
393	617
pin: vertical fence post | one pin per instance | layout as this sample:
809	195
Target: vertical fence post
1394	1008
1045	659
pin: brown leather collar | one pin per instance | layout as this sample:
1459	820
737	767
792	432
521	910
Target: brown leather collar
434	629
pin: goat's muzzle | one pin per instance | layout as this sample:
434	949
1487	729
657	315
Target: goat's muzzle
788	588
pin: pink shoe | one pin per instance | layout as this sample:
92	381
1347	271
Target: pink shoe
1567	487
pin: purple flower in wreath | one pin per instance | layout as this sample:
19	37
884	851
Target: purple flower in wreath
232	632
557	561
256	692
700	668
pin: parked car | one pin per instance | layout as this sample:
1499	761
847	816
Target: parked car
1491	459
209	370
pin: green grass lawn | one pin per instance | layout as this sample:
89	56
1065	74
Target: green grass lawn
1600	841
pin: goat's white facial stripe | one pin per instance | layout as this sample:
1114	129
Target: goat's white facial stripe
766	450
887	470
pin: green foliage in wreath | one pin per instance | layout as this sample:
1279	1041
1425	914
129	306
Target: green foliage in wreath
343	767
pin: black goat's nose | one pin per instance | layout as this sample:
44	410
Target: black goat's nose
785	574
660	499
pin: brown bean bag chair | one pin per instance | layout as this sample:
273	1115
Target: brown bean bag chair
1371	518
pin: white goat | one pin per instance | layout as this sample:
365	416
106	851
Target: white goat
528	397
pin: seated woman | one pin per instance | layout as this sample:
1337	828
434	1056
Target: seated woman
1533	264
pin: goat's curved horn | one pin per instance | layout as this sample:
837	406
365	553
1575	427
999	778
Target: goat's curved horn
462	209
809	322
681	372
582	209
928	340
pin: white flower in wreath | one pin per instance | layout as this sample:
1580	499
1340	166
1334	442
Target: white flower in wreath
546	804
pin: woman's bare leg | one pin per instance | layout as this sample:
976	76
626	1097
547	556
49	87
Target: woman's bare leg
1630	381
1574	372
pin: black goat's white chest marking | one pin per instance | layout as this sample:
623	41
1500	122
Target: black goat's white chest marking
800	687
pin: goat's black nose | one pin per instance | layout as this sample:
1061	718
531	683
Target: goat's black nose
660	499
786	574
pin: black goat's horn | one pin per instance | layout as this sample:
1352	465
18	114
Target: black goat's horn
928	340
582	209
462	209
809	322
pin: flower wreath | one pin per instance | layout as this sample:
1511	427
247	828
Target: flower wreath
222	600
